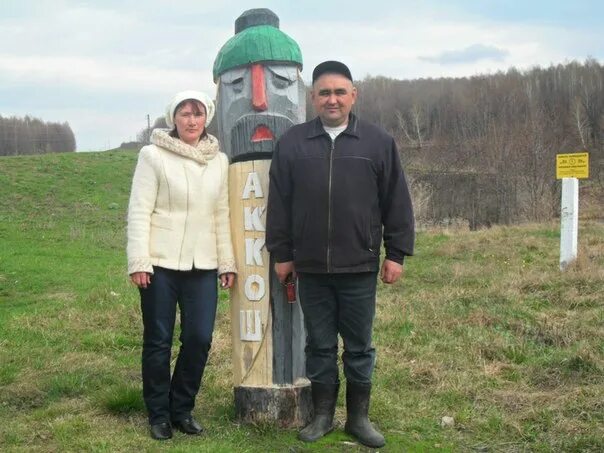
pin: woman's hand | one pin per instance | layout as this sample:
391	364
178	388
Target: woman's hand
141	279
227	280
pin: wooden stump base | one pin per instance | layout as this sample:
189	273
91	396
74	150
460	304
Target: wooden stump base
288	406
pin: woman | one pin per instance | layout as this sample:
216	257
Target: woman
179	240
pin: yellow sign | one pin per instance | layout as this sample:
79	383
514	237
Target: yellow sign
574	165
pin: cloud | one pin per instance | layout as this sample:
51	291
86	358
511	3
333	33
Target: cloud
470	54
103	66
95	73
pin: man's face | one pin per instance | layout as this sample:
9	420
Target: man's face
256	104
333	96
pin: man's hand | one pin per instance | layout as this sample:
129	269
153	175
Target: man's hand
284	269
391	271
227	280
141	279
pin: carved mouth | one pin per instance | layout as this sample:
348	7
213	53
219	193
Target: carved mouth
262	133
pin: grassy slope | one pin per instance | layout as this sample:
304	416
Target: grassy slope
483	328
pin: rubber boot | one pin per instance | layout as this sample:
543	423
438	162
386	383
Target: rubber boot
357	410
324	397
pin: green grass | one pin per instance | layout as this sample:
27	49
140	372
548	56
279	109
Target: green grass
483	328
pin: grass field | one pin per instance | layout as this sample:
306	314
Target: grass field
483	328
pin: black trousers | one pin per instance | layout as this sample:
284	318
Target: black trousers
195	292
338	304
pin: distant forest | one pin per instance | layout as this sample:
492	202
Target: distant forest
33	136
483	148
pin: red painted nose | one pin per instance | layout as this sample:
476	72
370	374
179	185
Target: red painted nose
258	88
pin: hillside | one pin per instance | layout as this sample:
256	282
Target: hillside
483	328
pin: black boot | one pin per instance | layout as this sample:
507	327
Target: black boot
357	422
160	431
324	397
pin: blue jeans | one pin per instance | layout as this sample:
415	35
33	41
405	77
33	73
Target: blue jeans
338	304
195	292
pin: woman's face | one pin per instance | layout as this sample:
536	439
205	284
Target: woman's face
190	121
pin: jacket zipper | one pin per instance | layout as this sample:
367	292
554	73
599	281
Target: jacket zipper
333	144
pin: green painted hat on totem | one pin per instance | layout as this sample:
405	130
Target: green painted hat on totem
257	38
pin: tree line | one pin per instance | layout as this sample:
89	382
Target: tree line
484	147
33	136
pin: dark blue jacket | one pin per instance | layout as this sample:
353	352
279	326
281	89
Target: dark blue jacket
330	203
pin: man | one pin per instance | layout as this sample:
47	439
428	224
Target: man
335	183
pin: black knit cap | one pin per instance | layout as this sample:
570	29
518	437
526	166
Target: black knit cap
331	67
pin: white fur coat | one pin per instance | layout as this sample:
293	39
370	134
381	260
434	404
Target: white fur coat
178	216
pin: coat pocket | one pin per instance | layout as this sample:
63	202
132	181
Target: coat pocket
160	221
161	237
375	238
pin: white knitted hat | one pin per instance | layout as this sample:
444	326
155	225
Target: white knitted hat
190	94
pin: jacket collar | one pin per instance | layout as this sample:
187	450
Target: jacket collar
316	127
206	149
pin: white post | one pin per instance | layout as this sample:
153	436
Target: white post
569	221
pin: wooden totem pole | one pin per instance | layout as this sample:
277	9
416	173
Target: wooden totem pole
260	95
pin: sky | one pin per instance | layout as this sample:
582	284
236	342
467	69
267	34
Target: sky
103	66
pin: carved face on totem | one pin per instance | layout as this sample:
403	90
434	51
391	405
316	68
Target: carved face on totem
260	90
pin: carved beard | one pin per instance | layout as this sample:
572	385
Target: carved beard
242	146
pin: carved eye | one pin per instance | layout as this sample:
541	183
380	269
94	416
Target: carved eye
237	85
281	82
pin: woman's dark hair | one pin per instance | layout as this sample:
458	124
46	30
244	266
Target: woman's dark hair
195	106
